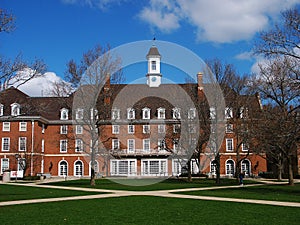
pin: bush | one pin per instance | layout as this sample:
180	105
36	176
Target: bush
268	175
32	178
194	175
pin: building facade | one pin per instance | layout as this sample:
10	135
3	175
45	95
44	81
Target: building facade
145	134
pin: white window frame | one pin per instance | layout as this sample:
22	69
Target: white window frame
245	147
15	109
115	114
192	113
5	144
176	146
244	167
161	113
1	109
176	128
153	65
213	167
212	113
161	144
64	114
146	129
154	167
79	129
63	145
43	145
79	114
229	145
243	112
228	113
6	126
22	126
229	128
227	169
176	113
146	113
115	129
115	144
4	166
123	167
161	128
146	145
22	144
80	165
131	129
130	145
78	145
63	169
63	129
130	114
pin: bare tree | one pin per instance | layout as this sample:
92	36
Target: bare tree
283	39
280	87
7	21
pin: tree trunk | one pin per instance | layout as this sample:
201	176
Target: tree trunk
92	178
290	168
279	168
218	177
189	171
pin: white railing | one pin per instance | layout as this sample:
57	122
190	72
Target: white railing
126	152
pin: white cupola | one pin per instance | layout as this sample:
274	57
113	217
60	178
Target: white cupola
153	75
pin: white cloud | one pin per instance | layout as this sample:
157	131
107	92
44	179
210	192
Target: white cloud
102	4
215	20
245	56
40	86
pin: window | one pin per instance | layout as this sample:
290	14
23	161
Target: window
78	169
115	114
229	128
64	114
192	128
157	167
130	145
213	167
228	113
21	164
146	145
245	167
146	113
63	168
192	113
146	129
43	145
22	144
230	167
6	126
94	114
94	144
153	65
161	113
4	165
161	128
176	145
43	128
63	145
22	126
176	113
115	129
123	167
79	129
78	145
130	114
244	112
1	109
229	144
130	129
245	146
161	144
15	109
212	113
79	114
115	144
5	144
176	128
63	129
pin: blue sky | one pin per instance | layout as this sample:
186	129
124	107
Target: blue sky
59	30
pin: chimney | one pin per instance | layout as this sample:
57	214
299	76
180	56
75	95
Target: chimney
200	81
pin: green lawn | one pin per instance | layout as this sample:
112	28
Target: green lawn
148	210
11	193
163	185
277	192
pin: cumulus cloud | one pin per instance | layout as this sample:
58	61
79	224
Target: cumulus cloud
41	85
217	21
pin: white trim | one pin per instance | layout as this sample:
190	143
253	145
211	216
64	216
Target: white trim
226	171
67	168
75	167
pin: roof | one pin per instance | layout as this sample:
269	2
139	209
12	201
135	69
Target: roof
153	51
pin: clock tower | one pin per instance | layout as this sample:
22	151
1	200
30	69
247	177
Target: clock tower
153	75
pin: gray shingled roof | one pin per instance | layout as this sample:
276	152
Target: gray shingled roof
153	51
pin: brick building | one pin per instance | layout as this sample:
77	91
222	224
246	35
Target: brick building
146	135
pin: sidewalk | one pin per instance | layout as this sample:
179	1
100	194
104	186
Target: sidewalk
159	193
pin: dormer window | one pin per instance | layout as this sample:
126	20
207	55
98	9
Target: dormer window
212	113
115	114
228	113
64	114
94	114
146	113
15	109
243	112
130	114
79	114
192	113
176	113
1	109
161	113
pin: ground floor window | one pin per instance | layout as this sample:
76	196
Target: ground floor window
96	168
63	168
123	167
230	167
154	167
78	168
246	167
213	167
4	165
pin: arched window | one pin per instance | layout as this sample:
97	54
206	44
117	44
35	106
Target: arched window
246	167
63	168
78	168
1	109
230	167
15	109
96	168
64	114
146	113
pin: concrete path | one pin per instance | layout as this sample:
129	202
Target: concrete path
160	193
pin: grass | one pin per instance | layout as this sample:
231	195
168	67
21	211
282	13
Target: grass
168	184
278	192
12	192
148	210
